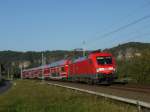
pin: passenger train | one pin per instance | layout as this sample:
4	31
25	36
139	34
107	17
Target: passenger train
97	67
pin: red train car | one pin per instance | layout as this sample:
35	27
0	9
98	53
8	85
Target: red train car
59	69
32	73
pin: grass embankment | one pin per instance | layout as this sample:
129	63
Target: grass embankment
32	96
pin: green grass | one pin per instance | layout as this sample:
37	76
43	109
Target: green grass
33	96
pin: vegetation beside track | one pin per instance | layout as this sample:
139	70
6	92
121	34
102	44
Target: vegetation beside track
138	69
133	61
36	96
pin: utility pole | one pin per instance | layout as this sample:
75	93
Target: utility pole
8	74
0	73
84	49
12	73
42	66
21	71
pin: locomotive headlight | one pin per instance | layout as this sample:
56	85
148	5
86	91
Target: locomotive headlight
110	68
103	69
100	69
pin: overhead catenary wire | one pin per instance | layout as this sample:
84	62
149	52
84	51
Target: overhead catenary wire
91	40
130	14
130	36
123	27
133	37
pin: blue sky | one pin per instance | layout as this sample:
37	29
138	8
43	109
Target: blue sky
64	24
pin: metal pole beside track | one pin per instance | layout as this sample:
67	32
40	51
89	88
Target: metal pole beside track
0	73
8	77
137	103
43	63
42	67
84	49
21	72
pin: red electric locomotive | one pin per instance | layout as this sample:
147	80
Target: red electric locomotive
97	67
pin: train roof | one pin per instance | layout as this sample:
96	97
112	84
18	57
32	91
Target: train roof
54	64
100	54
92	54
58	63
35	68
80	59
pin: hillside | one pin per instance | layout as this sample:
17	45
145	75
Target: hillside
30	58
130	50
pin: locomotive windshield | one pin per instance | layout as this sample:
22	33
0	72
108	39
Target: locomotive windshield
104	60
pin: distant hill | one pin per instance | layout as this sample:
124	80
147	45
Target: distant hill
129	50
30	58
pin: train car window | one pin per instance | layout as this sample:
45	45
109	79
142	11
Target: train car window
62	69
104	60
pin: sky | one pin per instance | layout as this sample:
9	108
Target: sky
37	25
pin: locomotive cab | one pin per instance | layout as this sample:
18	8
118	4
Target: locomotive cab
105	67
105	64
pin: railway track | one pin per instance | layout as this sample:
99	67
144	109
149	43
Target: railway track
126	87
142	104
132	88
127	91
